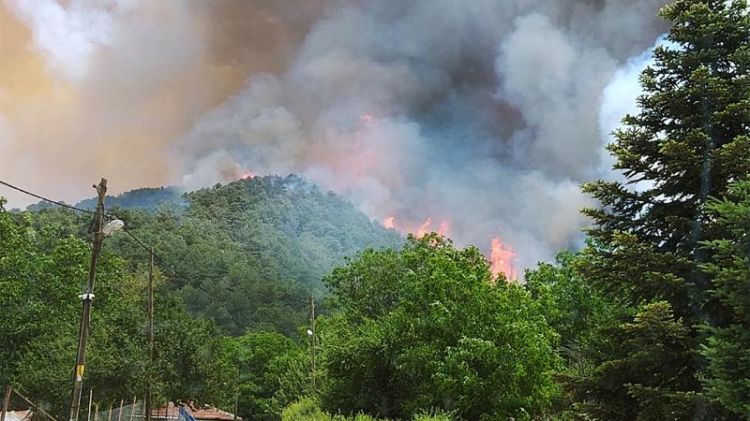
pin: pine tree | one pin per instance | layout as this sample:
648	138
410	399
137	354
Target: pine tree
728	346
689	141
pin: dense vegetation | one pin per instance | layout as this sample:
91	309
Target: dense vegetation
427	327
651	320
41	274
246	255
648	243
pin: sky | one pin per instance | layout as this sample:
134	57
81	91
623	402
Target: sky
484	116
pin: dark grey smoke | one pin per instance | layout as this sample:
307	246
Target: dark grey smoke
486	114
483	113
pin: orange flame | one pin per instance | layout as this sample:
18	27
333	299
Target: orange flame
444	229
501	256
420	231
424	228
501	260
244	175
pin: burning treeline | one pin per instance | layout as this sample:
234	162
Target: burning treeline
485	112
501	256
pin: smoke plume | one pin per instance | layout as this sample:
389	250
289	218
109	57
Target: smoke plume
485	114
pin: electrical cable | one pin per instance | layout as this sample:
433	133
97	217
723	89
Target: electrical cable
64	205
107	216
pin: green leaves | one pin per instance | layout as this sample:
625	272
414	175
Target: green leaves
251	252
426	328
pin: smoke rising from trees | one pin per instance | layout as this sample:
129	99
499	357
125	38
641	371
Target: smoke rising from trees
486	114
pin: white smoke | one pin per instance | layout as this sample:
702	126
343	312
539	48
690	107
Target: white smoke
68	37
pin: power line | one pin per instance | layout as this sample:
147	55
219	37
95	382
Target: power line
137	240
64	205
141	243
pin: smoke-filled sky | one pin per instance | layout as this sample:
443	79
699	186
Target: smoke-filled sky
485	114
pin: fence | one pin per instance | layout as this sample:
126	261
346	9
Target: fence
90	410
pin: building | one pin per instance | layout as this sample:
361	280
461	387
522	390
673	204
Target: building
171	412
19	415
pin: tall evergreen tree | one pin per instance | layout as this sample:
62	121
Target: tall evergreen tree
728	346
689	141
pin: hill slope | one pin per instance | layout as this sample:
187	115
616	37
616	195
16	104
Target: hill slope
247	254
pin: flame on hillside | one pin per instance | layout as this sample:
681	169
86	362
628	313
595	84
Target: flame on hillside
418	230
501	260
246	174
501	256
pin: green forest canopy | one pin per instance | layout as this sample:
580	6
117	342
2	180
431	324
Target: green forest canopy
649	321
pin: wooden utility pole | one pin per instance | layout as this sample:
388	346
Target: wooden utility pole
149	376
87	297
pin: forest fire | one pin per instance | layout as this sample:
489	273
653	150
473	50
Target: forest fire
420	230
501	256
501	259
247	174
424	228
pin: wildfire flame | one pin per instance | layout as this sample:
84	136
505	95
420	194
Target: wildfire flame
244	175
501	259
424	228
444	229
420	230
501	256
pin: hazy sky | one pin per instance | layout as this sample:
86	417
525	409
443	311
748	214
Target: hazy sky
483	114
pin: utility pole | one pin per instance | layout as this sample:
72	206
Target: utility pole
6	402
312	340
149	377
91	398
87	297
237	394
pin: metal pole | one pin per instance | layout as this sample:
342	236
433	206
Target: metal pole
149	376
312	339
119	413
6	403
132	410
91	398
237	395
87	298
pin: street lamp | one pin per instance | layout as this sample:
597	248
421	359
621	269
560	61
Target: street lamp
112	226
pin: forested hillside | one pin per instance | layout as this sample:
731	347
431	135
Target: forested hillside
144	198
648	321
247	254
